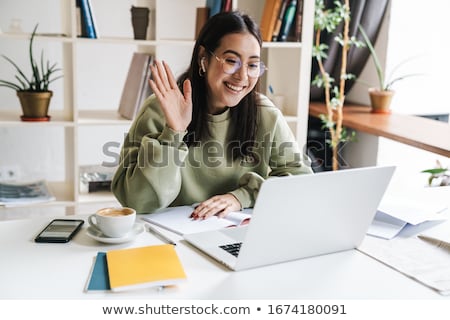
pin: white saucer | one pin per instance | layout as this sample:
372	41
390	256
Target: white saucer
138	228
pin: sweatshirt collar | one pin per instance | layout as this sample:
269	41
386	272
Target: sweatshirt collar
220	117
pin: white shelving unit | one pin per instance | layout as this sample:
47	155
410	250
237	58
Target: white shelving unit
79	116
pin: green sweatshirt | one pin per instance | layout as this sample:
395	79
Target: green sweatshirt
158	170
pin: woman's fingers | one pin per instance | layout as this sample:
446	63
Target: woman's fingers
171	82
159	82
219	205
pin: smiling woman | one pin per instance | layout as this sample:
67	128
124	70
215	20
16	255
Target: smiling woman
208	137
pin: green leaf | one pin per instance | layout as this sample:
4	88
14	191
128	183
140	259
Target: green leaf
435	170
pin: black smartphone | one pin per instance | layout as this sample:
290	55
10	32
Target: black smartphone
59	231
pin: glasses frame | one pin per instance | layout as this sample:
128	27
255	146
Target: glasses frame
262	69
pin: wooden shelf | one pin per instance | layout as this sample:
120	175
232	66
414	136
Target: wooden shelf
422	133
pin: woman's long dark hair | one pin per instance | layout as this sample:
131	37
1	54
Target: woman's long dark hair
245	114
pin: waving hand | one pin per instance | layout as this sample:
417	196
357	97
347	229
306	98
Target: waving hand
177	107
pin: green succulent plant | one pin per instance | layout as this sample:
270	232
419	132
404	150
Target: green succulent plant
42	74
384	83
438	173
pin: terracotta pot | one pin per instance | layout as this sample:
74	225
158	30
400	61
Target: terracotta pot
380	100
34	104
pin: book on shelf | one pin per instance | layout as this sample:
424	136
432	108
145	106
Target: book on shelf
202	15
279	21
136	88
269	18
22	193
144	267
215	6
177	220
93	18
296	34
227	5
288	21
86	19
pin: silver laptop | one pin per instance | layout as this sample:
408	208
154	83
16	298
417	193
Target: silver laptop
300	216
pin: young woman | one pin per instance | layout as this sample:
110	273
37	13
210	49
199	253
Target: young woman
209	138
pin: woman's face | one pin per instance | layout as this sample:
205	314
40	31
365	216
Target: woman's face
227	90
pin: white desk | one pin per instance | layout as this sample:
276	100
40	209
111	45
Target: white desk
30	270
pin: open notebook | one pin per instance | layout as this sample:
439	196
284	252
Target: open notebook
177	219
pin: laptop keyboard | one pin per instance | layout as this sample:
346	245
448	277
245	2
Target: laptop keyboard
232	248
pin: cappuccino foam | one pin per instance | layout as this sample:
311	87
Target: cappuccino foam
115	212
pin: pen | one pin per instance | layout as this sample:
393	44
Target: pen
434	241
160	235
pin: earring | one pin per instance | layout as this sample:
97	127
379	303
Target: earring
202	63
202	69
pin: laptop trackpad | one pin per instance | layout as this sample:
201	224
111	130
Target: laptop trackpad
236	234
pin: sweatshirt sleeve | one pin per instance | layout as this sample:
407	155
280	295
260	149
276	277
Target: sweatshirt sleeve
148	176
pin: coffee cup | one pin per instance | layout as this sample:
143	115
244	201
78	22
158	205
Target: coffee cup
114	222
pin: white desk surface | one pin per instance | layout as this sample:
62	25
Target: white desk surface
30	270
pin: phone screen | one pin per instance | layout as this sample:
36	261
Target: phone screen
59	230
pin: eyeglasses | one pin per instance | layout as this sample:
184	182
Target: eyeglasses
231	65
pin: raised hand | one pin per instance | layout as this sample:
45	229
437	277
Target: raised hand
177	107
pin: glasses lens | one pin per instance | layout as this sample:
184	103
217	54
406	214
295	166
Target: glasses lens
232	65
256	70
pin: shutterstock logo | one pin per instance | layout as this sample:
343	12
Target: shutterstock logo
209	154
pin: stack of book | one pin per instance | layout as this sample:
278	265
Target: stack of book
216	6
22	193
94	178
136	88
212	8
134	268
282	20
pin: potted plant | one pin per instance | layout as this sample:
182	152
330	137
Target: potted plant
439	176
381	96
34	93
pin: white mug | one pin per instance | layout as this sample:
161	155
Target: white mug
114	222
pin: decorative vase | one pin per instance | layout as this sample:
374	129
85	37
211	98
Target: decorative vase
140	20
380	100
35	105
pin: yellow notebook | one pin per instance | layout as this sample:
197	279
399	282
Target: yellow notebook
143	267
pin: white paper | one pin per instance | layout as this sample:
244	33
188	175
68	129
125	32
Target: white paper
418	259
414	211
393	215
385	226
177	220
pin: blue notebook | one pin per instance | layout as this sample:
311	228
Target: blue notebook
99	280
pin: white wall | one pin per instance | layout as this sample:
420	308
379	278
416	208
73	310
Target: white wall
411	29
415	33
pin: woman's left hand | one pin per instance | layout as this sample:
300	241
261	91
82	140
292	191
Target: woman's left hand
219	205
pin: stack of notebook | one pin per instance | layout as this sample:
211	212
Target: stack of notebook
134	268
